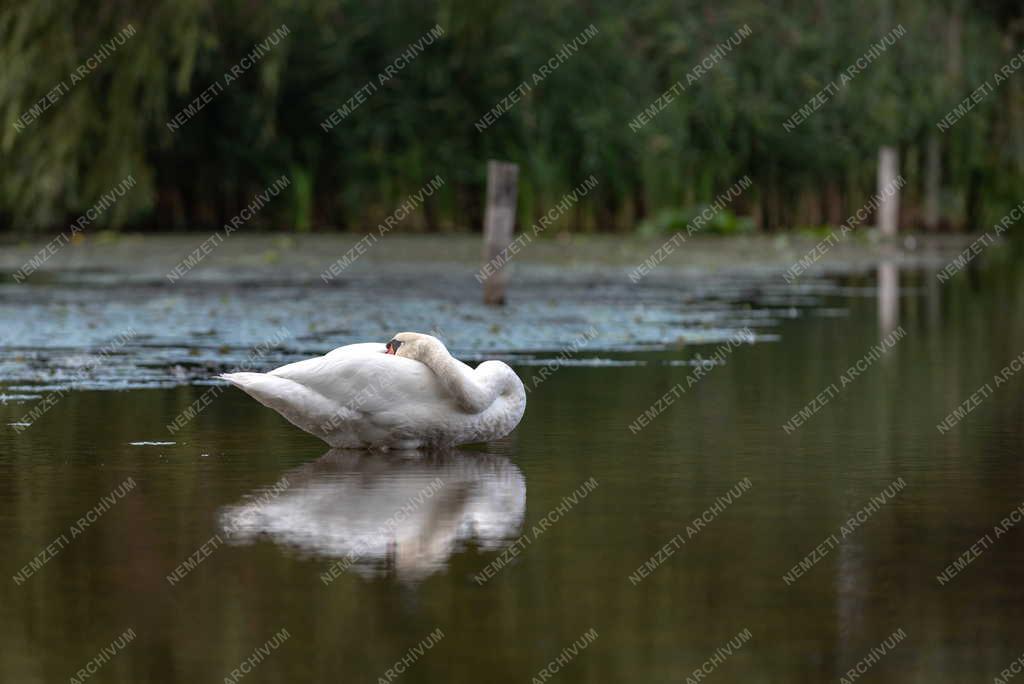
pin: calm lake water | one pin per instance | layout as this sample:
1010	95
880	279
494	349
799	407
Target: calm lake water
247	541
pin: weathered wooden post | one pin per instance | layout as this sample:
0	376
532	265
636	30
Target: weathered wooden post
499	221
932	183
888	296
888	192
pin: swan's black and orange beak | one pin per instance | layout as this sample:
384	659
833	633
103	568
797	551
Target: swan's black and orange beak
392	347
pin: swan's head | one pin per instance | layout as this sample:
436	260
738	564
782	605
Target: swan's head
413	345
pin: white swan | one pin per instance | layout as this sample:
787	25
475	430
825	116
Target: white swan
407	394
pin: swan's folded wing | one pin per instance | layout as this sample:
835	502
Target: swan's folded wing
358	349
387	387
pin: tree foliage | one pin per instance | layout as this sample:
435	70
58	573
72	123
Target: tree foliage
572	123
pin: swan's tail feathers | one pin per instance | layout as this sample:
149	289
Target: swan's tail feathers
266	389
303	407
250	383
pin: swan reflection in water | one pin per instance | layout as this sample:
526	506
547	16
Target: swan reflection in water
405	512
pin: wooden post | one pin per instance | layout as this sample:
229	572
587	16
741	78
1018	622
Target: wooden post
499	221
888	296
932	183
888	193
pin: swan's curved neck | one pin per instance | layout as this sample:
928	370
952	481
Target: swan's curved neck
458	379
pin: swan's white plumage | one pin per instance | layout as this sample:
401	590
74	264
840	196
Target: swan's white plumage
359	396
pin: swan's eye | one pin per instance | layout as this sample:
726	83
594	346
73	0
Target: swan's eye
393	346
